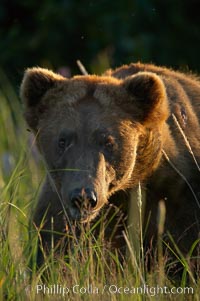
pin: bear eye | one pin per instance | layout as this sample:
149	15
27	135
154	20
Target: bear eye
66	140
109	141
62	143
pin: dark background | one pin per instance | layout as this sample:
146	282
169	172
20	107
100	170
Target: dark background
101	33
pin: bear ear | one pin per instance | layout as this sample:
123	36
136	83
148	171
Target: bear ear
147	98
35	84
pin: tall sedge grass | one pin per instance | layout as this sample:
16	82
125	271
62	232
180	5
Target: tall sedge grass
91	270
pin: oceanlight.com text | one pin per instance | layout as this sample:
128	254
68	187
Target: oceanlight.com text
111	289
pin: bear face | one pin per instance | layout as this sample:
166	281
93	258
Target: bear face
97	135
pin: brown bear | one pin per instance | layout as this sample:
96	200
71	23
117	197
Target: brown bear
103	135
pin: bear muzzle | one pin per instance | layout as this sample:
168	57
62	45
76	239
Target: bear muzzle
82	204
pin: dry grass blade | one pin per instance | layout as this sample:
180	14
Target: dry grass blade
82	68
183	177
161	224
186	140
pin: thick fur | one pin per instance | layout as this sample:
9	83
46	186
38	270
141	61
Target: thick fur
122	128
167	183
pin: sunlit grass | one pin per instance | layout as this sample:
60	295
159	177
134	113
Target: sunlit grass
91	270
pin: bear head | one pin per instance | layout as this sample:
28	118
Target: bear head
97	134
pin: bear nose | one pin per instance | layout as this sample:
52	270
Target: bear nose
83	198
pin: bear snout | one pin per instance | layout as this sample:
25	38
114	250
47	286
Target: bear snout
82	202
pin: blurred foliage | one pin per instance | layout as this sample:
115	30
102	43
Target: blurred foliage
103	33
